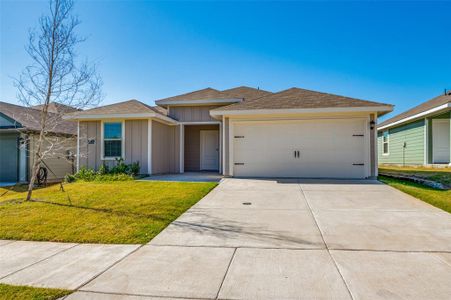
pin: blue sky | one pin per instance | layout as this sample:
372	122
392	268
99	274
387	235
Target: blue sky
394	52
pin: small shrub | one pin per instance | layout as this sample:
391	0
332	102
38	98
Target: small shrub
103	170
85	174
120	172
134	168
69	178
113	177
120	167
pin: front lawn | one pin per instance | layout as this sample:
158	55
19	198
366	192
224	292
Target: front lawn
10	292
96	212
441	175
438	198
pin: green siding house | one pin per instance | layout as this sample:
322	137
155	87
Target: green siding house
419	136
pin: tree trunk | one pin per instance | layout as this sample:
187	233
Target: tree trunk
35	171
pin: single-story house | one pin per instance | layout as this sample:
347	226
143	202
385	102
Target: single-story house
419	136
243	131
19	131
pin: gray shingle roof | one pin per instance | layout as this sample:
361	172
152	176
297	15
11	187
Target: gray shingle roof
207	93
296	98
55	107
127	107
241	92
246	93
30	118
437	101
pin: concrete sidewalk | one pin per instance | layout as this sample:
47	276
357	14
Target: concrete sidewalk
262	239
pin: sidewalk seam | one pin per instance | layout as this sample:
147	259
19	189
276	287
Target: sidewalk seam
324	241
226	272
107	268
39	261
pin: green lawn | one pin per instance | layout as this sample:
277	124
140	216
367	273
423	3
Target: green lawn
442	175
438	198
108	212
10	292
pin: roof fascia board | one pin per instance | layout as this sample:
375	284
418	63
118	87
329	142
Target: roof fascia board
218	112
416	116
197	102
120	116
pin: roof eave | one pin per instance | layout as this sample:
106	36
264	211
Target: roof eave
423	114
93	117
370	109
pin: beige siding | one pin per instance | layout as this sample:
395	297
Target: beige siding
225	146
192	145
191	113
56	150
164	153
373	147
90	156
136	143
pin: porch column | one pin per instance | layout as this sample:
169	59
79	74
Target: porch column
182	148
149	146
221	130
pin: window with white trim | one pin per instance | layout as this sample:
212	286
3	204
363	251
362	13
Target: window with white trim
385	141
112	139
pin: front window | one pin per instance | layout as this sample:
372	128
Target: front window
385	140
112	139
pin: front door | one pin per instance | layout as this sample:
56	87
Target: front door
209	150
440	141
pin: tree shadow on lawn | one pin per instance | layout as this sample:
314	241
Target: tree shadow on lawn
105	210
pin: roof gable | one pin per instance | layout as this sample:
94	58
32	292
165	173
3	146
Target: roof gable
423	107
7	122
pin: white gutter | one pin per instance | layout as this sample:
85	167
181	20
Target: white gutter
218	112
120	116
424	113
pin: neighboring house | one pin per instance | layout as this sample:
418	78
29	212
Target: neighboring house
419	136
19	131
242	132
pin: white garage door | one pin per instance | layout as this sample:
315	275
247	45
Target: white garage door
308	148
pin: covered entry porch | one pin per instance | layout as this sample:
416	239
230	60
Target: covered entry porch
201	147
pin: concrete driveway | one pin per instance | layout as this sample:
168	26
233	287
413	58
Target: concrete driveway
269	239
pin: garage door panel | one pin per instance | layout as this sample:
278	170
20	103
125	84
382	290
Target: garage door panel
327	149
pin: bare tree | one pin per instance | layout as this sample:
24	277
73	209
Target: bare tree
55	75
